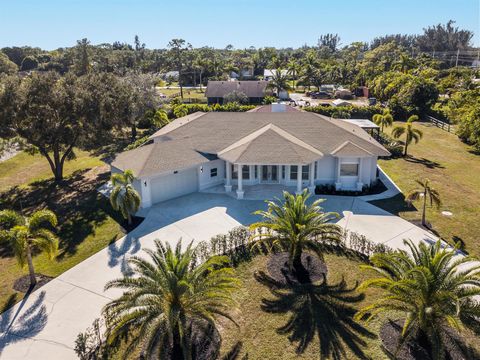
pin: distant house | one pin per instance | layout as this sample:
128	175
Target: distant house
254	90
242	74
268	74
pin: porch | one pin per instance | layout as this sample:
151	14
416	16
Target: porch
254	192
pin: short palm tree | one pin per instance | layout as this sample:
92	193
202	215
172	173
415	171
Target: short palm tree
425	191
412	134
294	225
432	286
124	197
383	120
168	296
279	81
27	233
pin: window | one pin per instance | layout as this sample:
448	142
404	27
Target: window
293	172
349	170
246	172
283	171
305	170
213	172
256	172
234	171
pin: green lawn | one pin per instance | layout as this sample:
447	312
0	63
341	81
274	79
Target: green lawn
86	221
187	93
454	170
260	329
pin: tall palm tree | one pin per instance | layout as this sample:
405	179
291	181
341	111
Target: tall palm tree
294	225
432	286
279	81
412	134
124	197
27	233
168	296
425	191
293	69
404	63
383	120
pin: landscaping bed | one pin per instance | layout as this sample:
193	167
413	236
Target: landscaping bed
328	189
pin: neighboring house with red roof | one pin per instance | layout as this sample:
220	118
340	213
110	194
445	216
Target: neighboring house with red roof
292	148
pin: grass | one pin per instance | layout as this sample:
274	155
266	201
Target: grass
187	93
280	326
453	169
23	168
86	222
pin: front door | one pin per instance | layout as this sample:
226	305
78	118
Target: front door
269	173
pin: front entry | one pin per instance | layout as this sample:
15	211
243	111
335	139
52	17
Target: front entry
269	174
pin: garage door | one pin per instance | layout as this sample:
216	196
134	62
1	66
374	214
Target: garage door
174	185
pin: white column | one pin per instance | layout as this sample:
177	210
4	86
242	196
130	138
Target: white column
228	184
299	179
338	184
311	186
240	182
359	181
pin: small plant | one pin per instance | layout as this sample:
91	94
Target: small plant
427	192
28	233
269	100
411	134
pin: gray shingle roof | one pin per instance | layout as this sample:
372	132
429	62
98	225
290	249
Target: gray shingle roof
253	89
293	137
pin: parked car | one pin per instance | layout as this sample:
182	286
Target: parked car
320	95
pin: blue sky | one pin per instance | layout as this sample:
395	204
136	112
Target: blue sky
242	23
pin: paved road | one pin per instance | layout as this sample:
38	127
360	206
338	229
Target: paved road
44	325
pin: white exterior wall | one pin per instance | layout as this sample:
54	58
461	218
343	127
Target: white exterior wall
326	170
204	178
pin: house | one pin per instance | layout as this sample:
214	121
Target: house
268	74
242	74
236	151
254	90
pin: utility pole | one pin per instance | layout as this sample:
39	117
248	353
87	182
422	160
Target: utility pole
456	61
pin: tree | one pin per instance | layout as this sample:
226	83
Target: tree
427	192
56	114
412	134
6	65
82	57
293	70
167	298
279	81
177	55
432	286
382	120
124	197
29	63
28	233
404	63
294	225
236	97
444	38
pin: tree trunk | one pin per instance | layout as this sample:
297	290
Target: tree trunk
405	149
33	279
424	222
177	352
134	131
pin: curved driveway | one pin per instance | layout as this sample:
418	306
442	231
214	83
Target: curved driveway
44	325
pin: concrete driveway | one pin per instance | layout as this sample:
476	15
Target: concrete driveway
45	324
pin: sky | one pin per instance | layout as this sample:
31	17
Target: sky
50	24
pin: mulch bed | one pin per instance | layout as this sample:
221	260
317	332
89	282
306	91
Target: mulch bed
391	331
126	228
278	268
22	284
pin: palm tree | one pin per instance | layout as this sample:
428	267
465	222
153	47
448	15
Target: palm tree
404	64
383	120
124	197
425	191
433	287
293	69
279	81
294	225
412	134
27	233
168	296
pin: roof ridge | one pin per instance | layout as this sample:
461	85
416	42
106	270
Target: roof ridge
187	118
352	143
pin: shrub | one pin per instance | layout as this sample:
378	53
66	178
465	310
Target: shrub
139	142
269	99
